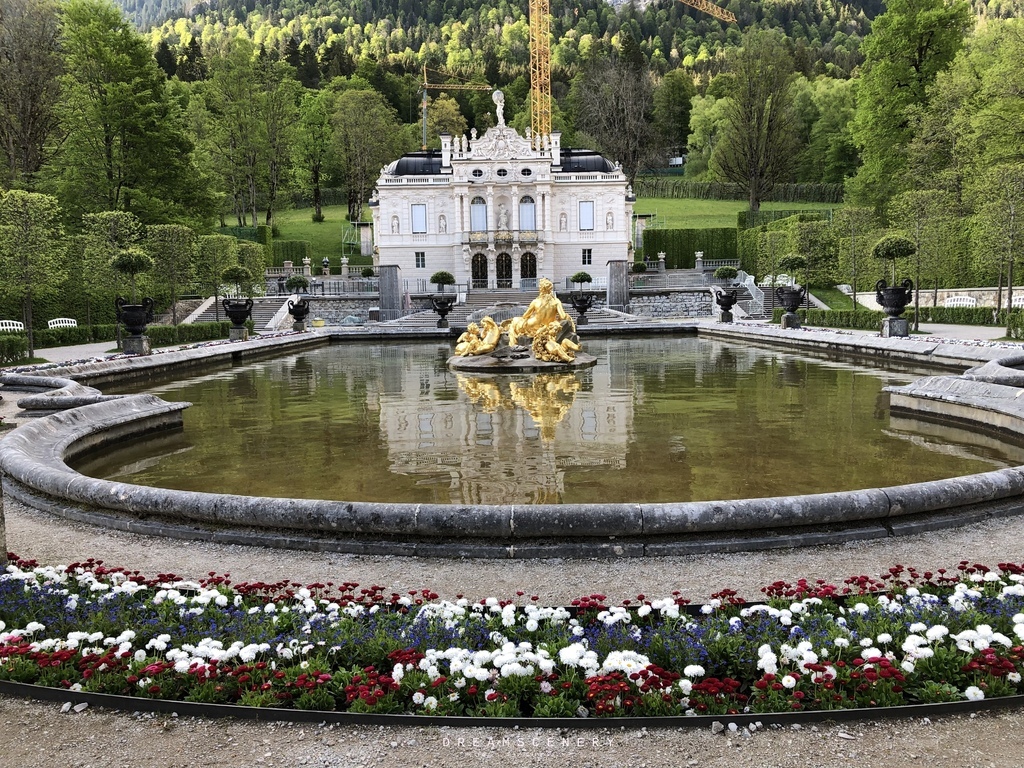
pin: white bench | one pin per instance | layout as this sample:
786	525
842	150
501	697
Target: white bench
769	281
960	301
11	326
1018	301
62	322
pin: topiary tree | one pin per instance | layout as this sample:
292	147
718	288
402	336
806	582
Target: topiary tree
441	279
242	278
581	277
893	247
792	264
726	273
367	272
639	267
131	262
297	283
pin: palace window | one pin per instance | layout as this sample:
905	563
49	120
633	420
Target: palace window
527	214
419	219
586	215
421	259
588	257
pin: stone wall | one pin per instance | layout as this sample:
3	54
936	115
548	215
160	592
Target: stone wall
332	311
693	303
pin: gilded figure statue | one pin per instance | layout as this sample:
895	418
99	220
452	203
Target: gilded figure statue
548	347
479	339
544	309
468	341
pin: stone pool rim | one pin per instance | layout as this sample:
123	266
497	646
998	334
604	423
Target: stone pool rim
34	469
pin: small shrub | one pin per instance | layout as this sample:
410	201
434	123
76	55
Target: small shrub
297	283
13	348
442	278
581	277
639	267
726	273
367	272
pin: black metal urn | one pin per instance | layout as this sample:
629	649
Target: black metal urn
442	305
582	302
790	298
238	311
895	299
134	317
299	310
726	300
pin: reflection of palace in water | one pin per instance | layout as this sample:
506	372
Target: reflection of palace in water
505	440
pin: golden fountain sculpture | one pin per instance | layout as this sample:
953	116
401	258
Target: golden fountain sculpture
545	323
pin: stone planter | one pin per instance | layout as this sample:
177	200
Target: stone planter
238	312
582	302
299	310
135	318
894	301
726	301
442	305
790	299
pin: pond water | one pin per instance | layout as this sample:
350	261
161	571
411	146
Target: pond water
657	419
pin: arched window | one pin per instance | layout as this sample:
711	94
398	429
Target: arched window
528	266
527	213
478	215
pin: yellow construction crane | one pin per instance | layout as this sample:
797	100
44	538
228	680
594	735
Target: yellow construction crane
540	58
445	87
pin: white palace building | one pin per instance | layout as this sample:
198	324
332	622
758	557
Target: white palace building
499	211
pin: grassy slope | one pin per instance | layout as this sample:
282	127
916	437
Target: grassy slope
707	214
328	235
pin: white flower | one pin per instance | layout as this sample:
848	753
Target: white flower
884	638
936	633
694	670
417	698
908	666
917	627
788	681
974	693
1013	677
841	642
430	703
867	642
531	625
685	686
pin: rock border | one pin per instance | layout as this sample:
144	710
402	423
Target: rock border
33	463
716	723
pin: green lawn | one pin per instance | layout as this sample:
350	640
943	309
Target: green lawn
326	236
707	214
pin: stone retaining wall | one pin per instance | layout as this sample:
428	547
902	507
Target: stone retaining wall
691	303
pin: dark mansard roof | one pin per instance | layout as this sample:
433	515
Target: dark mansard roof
428	162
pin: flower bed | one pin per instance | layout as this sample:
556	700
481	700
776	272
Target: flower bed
905	638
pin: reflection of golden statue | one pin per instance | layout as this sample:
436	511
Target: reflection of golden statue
479	340
544	309
484	392
546	345
547	398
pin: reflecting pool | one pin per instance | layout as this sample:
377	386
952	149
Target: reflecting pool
657	419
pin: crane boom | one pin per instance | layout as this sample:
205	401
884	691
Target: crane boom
540	67
711	9
444	87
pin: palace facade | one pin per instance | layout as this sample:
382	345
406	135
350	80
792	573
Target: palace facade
499	211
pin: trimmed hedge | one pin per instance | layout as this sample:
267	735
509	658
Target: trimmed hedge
292	250
861	319
1015	325
648	186
13	348
965	315
680	245
748	220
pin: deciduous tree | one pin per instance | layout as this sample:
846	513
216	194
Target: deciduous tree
174	253
32	250
758	144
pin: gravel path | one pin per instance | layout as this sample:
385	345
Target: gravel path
40	735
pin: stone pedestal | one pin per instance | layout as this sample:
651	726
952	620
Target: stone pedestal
136	345
618	286
299	326
895	327
790	320
390	293
344	267
238	334
725	317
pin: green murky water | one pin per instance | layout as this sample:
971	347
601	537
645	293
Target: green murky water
656	420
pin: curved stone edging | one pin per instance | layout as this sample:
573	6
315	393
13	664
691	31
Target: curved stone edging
33	459
33	463
215	711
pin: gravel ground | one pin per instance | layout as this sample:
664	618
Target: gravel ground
38	734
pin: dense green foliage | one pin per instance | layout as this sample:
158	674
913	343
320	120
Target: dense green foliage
13	348
681	245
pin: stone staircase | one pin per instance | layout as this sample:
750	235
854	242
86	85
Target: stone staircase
502	304
263	311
